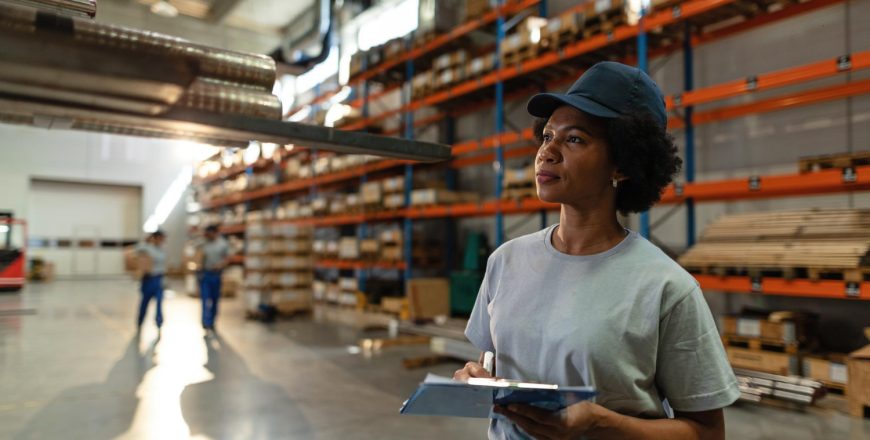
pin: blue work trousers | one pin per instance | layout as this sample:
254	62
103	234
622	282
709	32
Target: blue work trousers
210	291
152	287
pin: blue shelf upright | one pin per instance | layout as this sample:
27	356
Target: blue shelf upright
499	126
642	64
408	231
688	78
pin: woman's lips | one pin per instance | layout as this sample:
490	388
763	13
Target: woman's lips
544	177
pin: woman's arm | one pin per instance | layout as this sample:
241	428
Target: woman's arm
596	422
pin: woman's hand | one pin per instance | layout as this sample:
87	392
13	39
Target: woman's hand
569	423
471	369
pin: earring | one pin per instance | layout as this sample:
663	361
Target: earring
614	182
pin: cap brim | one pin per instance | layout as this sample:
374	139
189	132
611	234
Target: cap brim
543	105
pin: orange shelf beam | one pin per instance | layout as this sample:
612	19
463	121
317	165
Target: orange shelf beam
778	103
832	289
821	182
780	78
232	229
357	265
236	259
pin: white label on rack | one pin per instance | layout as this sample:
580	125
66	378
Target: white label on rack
749	327
838	373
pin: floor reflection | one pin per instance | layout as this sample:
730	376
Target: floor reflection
238	404
95	411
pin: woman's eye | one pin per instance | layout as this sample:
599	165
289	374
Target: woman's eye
574	139
547	137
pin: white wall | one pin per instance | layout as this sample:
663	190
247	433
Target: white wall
27	153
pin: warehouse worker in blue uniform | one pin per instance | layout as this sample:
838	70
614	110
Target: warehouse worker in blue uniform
214	258
152	281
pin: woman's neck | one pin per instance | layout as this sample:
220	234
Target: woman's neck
587	231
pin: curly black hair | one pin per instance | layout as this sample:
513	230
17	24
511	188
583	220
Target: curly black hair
643	152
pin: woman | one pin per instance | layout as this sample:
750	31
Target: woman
152	280
588	302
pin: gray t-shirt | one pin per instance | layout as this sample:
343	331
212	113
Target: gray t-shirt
214	253
628	321
158	257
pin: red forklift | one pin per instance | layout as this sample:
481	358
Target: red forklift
13	250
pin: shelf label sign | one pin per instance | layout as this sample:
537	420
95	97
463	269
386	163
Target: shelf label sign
755	284
853	289
844	62
849	175
754	183
751	82
678	189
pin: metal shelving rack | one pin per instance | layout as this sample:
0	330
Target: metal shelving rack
510	144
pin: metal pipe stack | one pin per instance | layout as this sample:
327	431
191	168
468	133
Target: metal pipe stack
48	57
755	386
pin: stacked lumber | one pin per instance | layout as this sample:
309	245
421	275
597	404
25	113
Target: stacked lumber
758	387
812	243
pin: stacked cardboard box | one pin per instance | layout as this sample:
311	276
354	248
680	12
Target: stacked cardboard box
393	192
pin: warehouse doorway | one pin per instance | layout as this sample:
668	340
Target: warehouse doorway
82	228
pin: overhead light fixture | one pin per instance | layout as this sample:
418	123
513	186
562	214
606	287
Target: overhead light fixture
164	9
252	153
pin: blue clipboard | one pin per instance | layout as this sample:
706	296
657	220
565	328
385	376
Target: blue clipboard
440	396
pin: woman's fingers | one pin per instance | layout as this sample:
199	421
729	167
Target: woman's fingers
471	369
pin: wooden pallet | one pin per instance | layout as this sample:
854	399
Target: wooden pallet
759	344
519	193
520	54
765	361
828	161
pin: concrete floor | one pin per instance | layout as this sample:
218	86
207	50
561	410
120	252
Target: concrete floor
71	367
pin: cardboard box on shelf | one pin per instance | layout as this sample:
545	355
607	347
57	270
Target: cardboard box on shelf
348	248
480	65
476	8
319	205
394	304
371	193
428	298
826	369
859	381
391	252
394	201
391	236
348	284
369	247
393	184
430	196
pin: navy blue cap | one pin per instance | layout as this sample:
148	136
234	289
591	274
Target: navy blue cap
607	90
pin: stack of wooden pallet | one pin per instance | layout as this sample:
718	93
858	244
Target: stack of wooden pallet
768	343
830	244
828	161
519	183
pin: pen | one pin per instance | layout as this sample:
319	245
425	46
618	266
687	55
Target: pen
488	358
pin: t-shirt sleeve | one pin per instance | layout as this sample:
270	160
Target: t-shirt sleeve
477	330
692	370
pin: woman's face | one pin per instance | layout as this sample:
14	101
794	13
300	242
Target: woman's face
572	165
